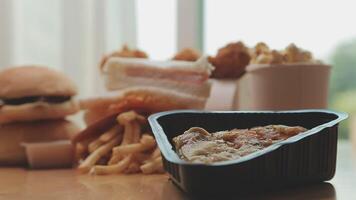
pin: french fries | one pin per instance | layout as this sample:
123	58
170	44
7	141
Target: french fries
152	166
98	153
156	153
124	148
104	138
111	169
146	143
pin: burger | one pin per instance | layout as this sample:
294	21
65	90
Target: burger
35	93
34	102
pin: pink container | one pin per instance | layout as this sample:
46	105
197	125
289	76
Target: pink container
56	154
222	95
284	87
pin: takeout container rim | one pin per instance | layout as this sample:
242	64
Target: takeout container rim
170	155
256	67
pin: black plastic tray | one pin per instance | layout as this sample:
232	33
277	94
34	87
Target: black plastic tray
305	158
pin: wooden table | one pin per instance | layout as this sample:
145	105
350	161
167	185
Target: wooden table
66	184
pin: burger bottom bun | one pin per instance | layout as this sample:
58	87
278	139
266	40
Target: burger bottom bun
12	135
37	111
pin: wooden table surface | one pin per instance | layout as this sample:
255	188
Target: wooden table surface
66	184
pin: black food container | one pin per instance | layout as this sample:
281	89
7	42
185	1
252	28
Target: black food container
305	158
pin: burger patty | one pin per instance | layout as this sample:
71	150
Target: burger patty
33	99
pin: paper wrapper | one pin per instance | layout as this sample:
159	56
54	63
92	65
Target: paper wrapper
57	154
223	95
284	87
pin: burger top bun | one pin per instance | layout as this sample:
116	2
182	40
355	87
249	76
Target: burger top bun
25	81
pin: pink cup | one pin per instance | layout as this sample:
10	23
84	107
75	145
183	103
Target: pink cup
285	87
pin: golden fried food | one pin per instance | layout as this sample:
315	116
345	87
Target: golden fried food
143	100
230	61
296	55
111	169
124	52
260	48
94	157
261	54
187	54
123	147
273	57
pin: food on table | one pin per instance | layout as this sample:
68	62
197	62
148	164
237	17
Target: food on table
187	54
126	146
230	61
199	146
125	52
118	138
179	76
261	54
31	93
151	85
34	103
118	135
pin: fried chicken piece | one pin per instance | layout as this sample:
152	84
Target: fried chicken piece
187	54
124	52
230	61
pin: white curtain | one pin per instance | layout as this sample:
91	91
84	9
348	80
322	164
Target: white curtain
66	35
6	33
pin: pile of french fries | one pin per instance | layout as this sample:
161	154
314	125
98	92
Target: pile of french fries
124	148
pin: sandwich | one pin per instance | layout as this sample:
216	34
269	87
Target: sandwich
32	93
150	86
184	77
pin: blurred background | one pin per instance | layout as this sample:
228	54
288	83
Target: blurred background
73	35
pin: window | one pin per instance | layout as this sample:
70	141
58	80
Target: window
37	35
156	27
315	25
